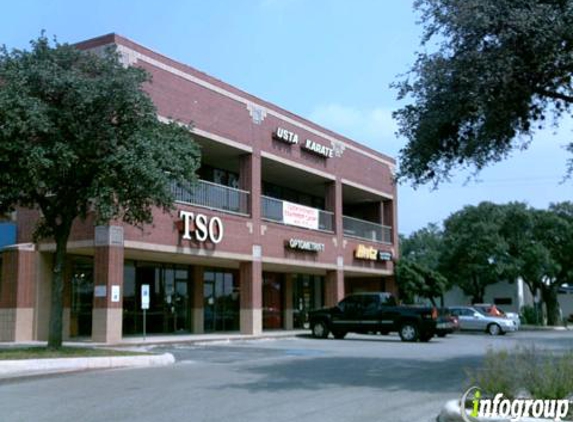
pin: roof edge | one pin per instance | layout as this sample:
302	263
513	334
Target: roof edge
114	38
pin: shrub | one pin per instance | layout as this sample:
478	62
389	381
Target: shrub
531	316
542	374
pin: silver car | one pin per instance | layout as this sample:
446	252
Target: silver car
471	319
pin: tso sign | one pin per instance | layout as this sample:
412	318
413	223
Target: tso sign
201	227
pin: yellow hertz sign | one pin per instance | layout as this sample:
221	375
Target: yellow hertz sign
366	252
371	254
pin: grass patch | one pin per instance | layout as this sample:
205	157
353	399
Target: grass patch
18	353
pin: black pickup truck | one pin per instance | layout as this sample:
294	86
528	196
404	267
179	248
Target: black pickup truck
374	313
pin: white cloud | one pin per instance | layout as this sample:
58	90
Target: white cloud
373	127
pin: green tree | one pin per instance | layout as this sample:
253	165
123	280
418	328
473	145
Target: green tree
474	253
415	280
417	272
490	73
555	231
79	136
527	233
423	246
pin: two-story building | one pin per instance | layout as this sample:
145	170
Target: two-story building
287	216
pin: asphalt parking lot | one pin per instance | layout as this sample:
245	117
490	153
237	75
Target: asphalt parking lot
361	378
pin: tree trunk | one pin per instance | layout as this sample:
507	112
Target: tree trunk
57	310
549	296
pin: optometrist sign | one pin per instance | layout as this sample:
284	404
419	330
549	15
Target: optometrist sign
304	245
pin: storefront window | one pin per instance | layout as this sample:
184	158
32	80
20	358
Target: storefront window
82	289
221	301
308	294
168	311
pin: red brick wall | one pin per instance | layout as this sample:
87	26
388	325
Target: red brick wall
18	279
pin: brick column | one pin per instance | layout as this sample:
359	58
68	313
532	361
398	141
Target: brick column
17	294
251	273
334	281
334	287
333	202
251	281
288	304
107	317
197	301
250	180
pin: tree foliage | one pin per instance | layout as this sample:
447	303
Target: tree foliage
492	71
415	280
417	272
475	253
488	243
79	136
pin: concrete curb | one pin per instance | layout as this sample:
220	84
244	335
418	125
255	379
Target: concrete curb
208	339
29	367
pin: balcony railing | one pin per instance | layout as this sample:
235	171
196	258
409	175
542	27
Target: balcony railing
214	196
273	209
366	230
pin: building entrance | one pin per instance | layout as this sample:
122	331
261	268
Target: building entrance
169	287
82	298
220	301
273	301
308	294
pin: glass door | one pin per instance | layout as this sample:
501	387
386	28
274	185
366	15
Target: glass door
272	301
308	294
82	286
220	301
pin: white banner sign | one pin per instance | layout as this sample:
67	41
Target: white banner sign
299	215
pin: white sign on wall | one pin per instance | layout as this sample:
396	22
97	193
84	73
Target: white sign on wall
115	293
145	296
299	215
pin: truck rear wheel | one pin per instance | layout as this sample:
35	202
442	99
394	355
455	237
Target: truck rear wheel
408	332
320	330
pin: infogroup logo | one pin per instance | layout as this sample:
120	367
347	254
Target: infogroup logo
510	409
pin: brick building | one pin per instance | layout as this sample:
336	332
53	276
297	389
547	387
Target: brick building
287	216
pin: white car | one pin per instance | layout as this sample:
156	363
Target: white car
471	319
493	310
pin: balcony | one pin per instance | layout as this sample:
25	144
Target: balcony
276	210
362	229
213	196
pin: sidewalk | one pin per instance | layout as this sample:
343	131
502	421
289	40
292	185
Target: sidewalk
10	369
545	328
152	340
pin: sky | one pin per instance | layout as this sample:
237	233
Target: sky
331	61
